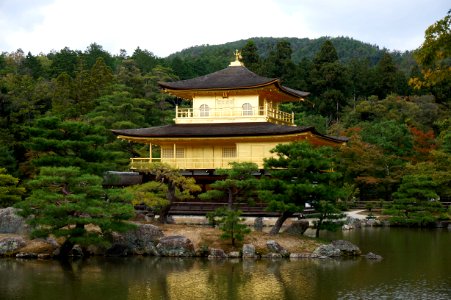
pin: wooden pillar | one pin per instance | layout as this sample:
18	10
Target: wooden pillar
150	152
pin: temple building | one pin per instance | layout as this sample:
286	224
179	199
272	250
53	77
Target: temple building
235	117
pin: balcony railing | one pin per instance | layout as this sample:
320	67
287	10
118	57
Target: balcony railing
143	164
254	114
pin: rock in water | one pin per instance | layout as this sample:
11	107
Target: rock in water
275	247
373	256
328	250
140	241
347	248
176	245
249	251
217	254
10	245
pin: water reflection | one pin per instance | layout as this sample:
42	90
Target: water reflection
416	265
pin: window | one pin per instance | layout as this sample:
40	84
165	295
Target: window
247	109
169	152
180	153
229	152
204	110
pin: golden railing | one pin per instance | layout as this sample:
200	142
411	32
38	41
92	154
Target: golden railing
262	112
143	164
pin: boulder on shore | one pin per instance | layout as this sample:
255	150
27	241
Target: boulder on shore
216	253
11	222
176	245
297	227
275	247
249	251
38	246
11	245
140	241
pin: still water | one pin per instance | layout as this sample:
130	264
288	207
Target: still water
416	265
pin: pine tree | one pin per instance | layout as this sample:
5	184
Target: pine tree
330	84
64	200
251	59
232	226
10	191
239	185
299	174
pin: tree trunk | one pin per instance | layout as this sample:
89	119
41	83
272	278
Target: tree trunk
280	220
65	249
230	202
170	195
318	225
164	212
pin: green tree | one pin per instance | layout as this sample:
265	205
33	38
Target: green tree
416	201
176	184
279	63
65	60
64	201
329	82
102	77
119	110
32	66
7	159
326	54
145	60
362	79
63	96
57	143
328	216
10	191
394	137
94	52
152	194
232	226
129	75
299	174
239	184
251	59
434	59
388	78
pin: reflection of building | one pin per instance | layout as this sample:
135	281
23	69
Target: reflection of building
234	116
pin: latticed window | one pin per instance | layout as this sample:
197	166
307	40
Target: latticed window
167	152
247	109
204	110
229	152
180	153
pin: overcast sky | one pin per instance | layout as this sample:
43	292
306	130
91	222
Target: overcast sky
167	26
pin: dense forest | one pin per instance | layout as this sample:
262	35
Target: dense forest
56	109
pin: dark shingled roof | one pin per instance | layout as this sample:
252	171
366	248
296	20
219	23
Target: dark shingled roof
220	130
232	77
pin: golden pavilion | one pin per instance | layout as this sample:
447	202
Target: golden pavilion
234	117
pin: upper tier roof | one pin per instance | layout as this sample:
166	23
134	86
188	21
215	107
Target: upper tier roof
230	78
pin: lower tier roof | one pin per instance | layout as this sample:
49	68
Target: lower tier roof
216	130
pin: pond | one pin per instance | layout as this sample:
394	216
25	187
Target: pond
416	265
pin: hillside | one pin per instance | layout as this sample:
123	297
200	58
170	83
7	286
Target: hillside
347	49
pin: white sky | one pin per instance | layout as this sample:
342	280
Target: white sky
167	26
